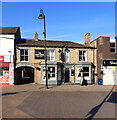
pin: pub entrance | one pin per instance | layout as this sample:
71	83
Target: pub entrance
67	75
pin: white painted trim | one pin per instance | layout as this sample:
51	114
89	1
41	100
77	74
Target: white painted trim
28	53
24	65
86	54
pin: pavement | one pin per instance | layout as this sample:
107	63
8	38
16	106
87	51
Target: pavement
65	101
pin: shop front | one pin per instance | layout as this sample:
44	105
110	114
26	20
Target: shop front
109	72
6	70
84	72
53	73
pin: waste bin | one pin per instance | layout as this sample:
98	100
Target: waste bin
99	81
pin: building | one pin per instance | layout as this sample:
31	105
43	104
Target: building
66	60
8	37
106	59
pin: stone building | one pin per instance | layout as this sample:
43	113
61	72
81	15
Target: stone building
66	60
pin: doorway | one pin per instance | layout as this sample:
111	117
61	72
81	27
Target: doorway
67	75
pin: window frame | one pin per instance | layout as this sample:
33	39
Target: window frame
49	49
113	47
42	73
69	55
86	55
20	54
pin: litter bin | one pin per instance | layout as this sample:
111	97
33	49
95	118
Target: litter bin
99	81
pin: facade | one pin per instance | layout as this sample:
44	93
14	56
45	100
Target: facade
106	59
67	62
8	37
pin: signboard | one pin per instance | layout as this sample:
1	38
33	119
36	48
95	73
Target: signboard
1	58
39	54
109	62
4	58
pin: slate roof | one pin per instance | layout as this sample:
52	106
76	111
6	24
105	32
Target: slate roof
50	43
8	30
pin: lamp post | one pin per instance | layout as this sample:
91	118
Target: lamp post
42	16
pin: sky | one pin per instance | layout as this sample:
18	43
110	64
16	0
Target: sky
67	21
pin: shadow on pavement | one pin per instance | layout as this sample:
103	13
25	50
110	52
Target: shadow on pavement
94	110
11	93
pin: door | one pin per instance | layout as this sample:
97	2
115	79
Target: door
67	75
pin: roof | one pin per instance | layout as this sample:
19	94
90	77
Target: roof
98	37
8	30
50	43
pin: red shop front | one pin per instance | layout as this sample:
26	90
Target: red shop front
6	70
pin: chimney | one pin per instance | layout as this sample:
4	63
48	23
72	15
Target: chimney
87	39
36	36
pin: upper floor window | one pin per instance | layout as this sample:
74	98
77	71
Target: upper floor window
112	47
83	55
67	55
24	55
50	54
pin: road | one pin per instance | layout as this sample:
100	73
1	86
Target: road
67	101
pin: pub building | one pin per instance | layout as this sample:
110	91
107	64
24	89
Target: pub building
67	62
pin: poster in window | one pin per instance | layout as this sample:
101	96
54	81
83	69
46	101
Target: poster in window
39	54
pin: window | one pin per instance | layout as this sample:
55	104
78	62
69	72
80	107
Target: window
67	56
112	47
24	55
51	73
83	55
51	55
2	69
86	71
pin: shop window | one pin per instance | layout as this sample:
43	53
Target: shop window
51	73
86	71
112	47
83	55
24	55
83	71
50	54
3	69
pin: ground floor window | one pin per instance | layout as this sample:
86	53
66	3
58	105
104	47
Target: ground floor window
51	73
83	71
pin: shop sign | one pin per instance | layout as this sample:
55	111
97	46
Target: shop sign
4	58
109	62
1	58
39	54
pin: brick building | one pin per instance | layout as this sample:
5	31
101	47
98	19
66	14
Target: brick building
105	54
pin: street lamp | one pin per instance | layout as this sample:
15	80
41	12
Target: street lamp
42	16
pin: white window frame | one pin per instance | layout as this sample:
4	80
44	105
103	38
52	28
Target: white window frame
86	55
42	74
67	53
50	55
20	54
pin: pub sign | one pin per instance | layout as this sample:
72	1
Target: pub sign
39	54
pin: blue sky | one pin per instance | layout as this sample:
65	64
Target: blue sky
64	20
